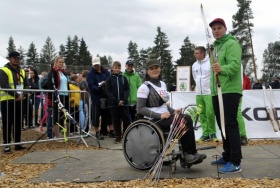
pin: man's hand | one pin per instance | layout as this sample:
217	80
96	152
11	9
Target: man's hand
121	103
216	67
19	98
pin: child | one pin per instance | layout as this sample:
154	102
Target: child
117	90
75	98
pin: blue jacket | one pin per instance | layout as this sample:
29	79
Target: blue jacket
93	78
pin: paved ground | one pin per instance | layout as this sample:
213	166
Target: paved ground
102	165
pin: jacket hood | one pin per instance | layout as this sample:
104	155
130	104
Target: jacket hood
8	65
204	60
132	72
224	39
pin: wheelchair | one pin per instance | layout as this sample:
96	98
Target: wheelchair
143	142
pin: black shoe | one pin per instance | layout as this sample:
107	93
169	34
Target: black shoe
99	136
7	149
104	133
244	140
112	134
19	147
118	140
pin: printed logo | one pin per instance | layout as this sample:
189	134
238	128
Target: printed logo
183	86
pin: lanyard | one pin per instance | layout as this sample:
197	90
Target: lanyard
18	78
216	51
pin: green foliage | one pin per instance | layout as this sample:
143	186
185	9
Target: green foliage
62	50
32	57
160	51
271	62
242	28
22	55
84	55
143	57
187	56
47	56
11	46
133	55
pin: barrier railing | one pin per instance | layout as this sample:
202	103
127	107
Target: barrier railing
34	115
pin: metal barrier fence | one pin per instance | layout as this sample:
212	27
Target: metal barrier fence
37	112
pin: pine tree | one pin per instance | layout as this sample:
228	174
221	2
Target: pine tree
242	28
187	56
75	50
11	46
271	62
133	55
69	54
84	55
144	55
47	56
62	51
161	52
110	61
21	51
32	57
104	61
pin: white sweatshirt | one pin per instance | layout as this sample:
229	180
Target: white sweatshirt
201	71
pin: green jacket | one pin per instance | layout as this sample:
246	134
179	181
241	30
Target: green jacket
228	51
134	81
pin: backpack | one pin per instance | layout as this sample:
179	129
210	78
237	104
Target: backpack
44	82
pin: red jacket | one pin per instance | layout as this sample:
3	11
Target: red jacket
246	82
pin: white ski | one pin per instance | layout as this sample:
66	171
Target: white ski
274	110
275	128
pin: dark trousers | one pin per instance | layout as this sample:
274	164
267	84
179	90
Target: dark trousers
27	111
232	144
11	120
132	112
188	139
36	104
120	114
106	118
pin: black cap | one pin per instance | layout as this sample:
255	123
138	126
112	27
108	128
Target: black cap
14	54
129	62
151	63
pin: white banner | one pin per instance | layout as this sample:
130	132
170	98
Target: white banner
183	78
253	110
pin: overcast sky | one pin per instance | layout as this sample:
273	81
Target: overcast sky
107	26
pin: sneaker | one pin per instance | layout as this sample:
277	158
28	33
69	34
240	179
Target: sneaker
19	147
244	140
203	138
201	158
118	140
112	134
220	161
194	158
214	138
7	149
99	136
230	168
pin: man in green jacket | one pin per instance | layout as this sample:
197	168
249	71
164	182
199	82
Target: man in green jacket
134	81
227	64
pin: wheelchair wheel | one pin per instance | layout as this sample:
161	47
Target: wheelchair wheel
143	142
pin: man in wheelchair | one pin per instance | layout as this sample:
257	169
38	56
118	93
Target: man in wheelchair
152	96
